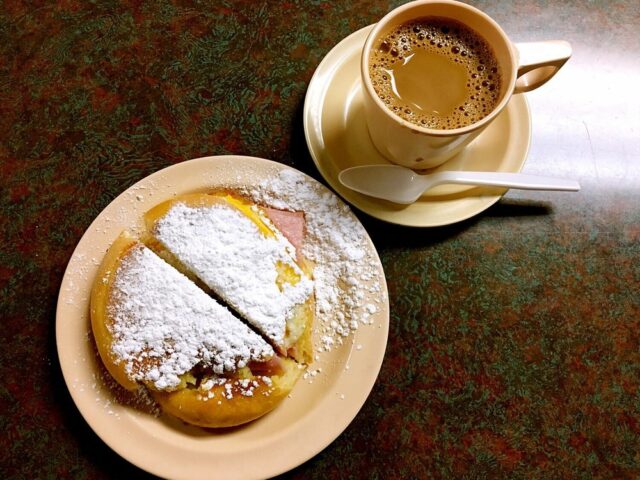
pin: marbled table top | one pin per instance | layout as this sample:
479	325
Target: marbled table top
514	346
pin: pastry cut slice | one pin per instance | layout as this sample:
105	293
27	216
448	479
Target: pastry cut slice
153	326
246	255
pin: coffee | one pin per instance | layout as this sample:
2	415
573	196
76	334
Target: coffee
435	73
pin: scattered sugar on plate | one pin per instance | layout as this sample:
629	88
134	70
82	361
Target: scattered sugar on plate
345	268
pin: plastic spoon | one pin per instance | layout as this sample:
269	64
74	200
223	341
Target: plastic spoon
402	185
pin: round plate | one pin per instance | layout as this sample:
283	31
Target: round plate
318	410
336	132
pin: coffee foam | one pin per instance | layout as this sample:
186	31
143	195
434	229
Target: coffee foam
452	40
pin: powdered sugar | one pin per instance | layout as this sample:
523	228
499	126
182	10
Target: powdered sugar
244	386
163	324
229	253
346	270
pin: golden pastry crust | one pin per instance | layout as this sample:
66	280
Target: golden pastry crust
212	408
101	297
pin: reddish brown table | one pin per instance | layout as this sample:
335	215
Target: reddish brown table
514	348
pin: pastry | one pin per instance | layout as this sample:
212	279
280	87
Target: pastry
155	327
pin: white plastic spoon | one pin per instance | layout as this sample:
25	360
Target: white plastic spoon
402	185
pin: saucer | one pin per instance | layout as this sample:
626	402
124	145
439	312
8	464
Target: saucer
337	136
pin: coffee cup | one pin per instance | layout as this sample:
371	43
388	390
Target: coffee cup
436	73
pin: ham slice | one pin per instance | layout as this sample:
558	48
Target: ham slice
291	224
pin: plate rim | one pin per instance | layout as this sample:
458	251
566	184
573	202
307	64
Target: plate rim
316	85
374	361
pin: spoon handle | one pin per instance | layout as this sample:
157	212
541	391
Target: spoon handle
504	179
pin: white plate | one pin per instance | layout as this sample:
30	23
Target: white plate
337	137
319	409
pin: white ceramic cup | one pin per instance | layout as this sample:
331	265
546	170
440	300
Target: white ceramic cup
524	66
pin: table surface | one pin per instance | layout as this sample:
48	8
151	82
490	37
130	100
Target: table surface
514	346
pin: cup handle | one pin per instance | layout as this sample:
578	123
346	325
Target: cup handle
539	61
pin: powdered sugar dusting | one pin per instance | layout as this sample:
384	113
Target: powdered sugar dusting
243	386
163	324
346	271
229	253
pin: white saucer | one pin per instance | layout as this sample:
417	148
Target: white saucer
337	137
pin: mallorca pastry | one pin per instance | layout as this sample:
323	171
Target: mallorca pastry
155	327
